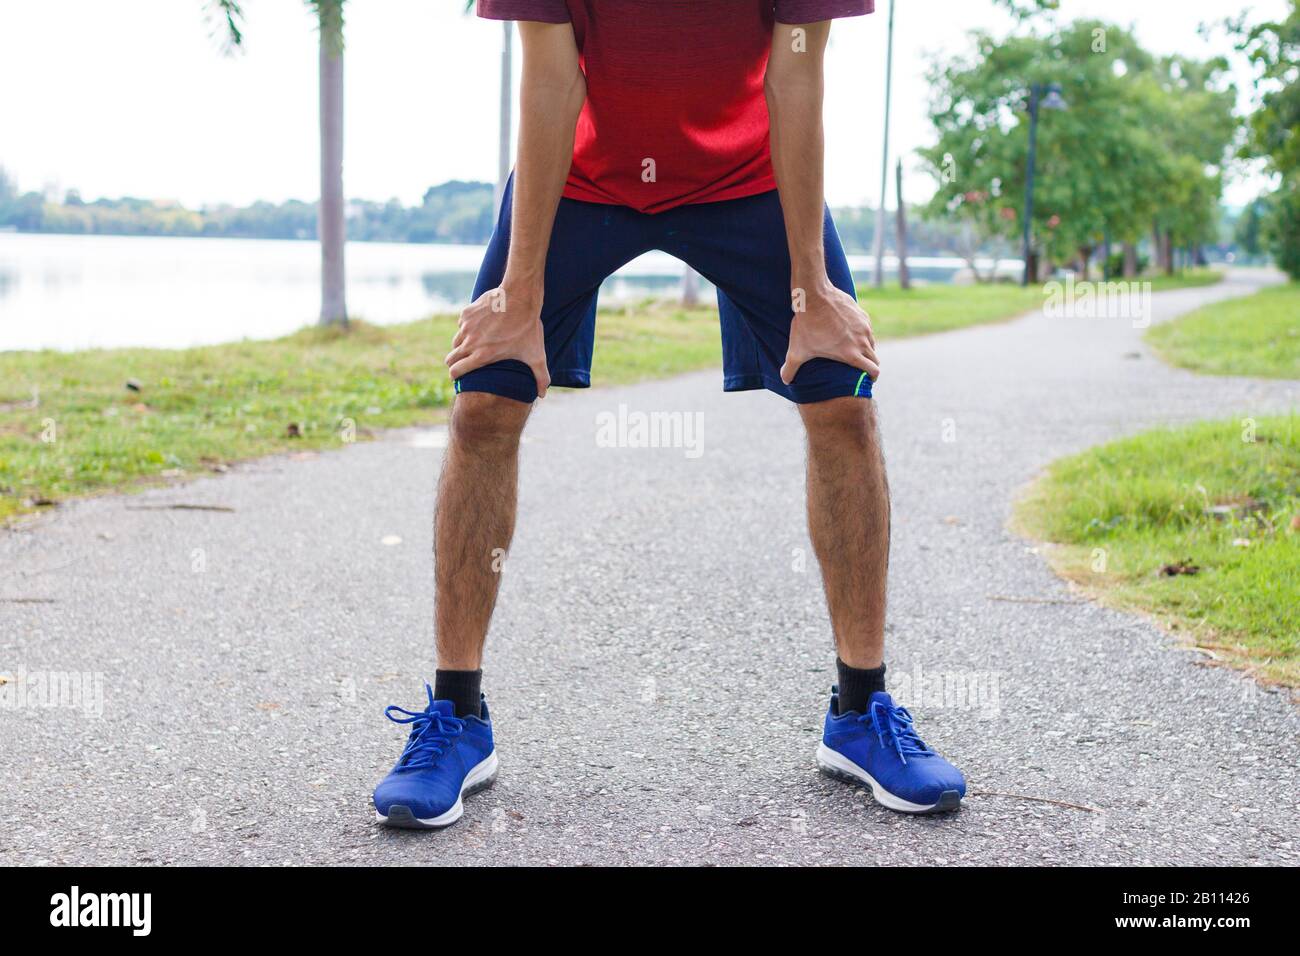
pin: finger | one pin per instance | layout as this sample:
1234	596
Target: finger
871	333
791	368
459	337
458	353
466	365
869	365
543	376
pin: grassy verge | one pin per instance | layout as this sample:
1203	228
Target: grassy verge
942	308
69	425
1131	519
1187	279
1258	335
924	309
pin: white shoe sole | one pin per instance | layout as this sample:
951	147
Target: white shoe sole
480	777
835	764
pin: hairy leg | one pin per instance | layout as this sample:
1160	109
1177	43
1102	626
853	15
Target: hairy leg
474	520
848	521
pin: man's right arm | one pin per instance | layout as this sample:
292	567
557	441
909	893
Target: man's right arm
505	323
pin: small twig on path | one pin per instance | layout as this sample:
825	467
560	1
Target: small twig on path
1030	600
26	600
180	507
1023	796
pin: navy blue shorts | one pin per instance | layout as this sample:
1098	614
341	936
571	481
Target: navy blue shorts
739	245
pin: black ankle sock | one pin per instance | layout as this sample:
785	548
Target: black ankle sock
857	685
462	689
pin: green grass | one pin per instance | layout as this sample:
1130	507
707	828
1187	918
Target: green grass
1258	335
199	409
1187	279
924	309
942	308
1201	495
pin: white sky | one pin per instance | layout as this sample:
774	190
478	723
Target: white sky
136	99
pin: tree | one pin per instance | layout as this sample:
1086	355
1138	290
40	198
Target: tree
1195	130
1140	142
900	226
1248	233
690	287
1273	48
331	211
1282	229
1084	154
332	221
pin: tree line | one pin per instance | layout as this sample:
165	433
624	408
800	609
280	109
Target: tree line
1272	222
1134	151
454	211
1136	158
463	212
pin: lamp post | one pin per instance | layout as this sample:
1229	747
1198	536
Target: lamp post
1045	96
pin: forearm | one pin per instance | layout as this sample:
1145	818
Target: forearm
828	323
794	87
552	92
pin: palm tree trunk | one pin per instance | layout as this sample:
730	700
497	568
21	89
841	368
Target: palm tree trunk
331	219
690	287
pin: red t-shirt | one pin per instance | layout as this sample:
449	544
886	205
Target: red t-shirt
675	111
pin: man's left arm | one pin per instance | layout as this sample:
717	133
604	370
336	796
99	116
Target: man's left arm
827	322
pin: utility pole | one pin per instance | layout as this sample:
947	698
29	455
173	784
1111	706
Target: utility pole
507	91
878	279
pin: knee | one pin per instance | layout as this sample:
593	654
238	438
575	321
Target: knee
481	419
840	422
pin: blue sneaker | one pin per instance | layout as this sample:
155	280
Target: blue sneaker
446	757
881	750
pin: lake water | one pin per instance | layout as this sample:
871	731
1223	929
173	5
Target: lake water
72	292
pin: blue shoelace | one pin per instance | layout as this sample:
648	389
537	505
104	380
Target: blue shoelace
431	736
896	724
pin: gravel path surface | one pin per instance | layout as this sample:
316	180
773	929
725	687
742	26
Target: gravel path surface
659	665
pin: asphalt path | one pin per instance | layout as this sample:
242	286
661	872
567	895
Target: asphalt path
660	661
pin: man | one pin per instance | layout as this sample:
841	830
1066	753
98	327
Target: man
694	127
